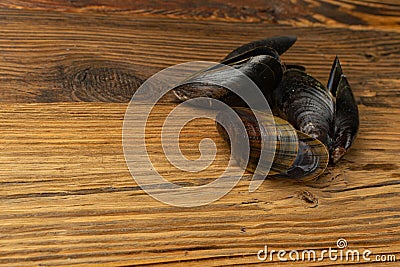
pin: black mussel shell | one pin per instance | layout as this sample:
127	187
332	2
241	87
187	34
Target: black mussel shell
278	43
264	70
346	120
305	103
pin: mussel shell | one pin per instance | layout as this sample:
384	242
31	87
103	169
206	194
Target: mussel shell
306	104
277	132
311	161
346	120
334	76
264	70
346	112
296	154
258	51
278	43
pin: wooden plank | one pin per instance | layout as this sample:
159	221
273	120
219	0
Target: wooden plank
53	57
66	195
381	15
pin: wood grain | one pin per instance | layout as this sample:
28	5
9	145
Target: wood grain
67	196
57	57
383	15
68	69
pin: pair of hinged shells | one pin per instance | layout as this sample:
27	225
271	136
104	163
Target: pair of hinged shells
312	125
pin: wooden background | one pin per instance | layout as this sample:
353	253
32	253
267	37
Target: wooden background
67	71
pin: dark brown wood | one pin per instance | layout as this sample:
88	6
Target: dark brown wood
254	10
343	13
76	57
67	69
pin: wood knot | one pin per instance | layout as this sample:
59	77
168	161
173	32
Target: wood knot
101	83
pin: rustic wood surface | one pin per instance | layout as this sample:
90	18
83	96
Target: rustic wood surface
68	69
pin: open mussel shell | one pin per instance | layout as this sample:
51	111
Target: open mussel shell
295	155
